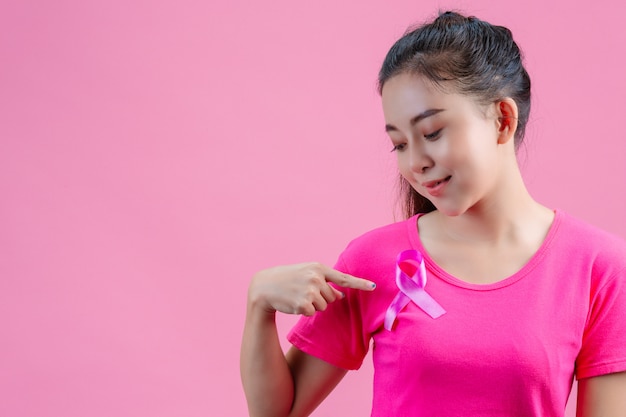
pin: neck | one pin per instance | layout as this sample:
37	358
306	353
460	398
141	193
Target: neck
508	213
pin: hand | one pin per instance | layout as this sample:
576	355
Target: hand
301	288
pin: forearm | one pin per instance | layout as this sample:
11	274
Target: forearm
266	377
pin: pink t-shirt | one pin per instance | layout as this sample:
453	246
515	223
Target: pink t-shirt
510	348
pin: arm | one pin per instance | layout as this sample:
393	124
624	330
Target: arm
602	396
293	385
276	385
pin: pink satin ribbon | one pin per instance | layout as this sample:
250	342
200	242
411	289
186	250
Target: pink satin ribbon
411	280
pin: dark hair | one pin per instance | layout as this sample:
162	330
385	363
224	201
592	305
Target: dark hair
469	55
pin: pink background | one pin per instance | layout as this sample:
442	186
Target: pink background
156	153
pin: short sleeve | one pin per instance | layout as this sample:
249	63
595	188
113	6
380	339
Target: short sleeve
603	348
336	334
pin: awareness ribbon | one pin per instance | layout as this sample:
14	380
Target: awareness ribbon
411	280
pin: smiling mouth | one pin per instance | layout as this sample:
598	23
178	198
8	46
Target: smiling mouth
434	184
442	181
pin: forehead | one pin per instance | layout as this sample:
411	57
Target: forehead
405	95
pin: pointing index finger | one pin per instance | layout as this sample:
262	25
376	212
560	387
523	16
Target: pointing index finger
348	281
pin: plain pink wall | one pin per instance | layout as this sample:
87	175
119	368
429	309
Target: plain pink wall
155	154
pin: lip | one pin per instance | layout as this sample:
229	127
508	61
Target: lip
436	187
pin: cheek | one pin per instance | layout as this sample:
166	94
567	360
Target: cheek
476	153
404	167
449	155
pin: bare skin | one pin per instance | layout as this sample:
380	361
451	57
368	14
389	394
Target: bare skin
485	212
485	228
602	396
275	384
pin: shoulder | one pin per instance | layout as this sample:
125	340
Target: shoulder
393	234
379	245
584	241
589	237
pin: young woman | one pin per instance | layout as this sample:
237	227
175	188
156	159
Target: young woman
483	302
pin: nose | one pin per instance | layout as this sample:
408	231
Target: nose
420	162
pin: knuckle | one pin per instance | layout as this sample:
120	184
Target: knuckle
343	280
300	307
314	279
316	268
311	293
308	311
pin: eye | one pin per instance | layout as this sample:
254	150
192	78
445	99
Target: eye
433	136
399	147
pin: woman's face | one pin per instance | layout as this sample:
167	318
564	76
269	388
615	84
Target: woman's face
446	144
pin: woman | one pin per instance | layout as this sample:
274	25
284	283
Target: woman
483	302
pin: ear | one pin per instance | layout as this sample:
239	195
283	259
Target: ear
507	119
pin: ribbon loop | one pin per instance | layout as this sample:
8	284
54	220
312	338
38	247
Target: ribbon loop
411	280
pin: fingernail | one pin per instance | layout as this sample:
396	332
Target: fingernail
343	295
373	285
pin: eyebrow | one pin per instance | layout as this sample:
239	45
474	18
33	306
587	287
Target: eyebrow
415	120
